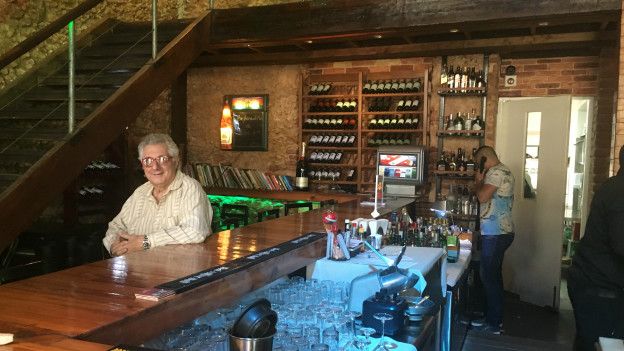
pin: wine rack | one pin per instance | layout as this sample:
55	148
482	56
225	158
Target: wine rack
336	106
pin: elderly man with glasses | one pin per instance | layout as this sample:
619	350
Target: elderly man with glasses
171	208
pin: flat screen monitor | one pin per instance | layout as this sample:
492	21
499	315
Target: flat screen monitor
405	165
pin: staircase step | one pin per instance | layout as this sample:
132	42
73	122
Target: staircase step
124	64
25	124
85	94
23	109
115	80
127	35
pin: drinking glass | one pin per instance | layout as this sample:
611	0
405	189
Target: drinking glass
365	341
383	317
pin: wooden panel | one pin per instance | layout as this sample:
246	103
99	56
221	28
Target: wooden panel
340	16
54	343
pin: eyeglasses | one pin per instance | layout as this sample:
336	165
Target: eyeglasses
149	161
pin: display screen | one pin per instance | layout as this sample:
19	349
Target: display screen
398	166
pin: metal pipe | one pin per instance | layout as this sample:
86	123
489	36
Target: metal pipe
154	29
70	81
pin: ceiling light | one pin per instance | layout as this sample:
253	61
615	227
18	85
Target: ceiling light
378	36
543	24
454	30
248	45
309	41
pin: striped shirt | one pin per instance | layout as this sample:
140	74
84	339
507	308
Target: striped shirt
183	215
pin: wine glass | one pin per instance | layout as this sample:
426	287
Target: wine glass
383	317
364	342
352	315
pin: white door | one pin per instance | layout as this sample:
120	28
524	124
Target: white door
534	132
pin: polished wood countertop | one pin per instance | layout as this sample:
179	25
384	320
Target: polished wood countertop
95	302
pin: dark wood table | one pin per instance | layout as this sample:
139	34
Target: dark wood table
92	306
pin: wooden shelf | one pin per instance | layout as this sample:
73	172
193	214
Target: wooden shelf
392	130
329	114
468	92
331	148
393	113
330	96
462	133
346	182
330	165
392	94
329	130
454	174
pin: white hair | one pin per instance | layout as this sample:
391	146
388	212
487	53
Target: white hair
158	139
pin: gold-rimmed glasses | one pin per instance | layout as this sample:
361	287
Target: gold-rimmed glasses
160	160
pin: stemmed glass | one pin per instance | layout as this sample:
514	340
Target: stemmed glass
352	315
362	344
383	317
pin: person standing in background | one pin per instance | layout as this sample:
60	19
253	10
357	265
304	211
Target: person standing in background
494	186
170	208
596	276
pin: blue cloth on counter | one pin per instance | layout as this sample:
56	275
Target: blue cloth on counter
400	346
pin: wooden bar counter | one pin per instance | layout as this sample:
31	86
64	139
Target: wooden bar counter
95	302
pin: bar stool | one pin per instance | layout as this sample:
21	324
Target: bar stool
268	214
297	205
233	215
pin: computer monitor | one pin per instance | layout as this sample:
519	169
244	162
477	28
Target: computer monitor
403	168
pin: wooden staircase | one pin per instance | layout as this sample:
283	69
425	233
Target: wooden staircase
115	80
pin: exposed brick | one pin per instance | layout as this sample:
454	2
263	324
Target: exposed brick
536	67
358	69
573	72
559	91
547	85
377	69
584	91
581	59
548	60
322	65
585	78
510	93
401	68
363	63
586	65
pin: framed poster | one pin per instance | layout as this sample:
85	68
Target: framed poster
249	121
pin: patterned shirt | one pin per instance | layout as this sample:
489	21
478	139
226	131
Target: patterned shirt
183	215
496	214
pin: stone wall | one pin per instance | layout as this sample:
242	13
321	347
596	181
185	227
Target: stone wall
206	88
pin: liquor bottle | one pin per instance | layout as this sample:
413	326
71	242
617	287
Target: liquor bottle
461	164
464	79
452	165
401	105
481	81
351	174
402	86
416	86
395	87
478	124
458	122
469	120
313	89
387	87
443	76
470	164
372	123
472	78
441	164
450	78
457	79
367	87
301	179
449	123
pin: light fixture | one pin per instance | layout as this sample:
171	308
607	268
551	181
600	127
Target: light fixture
453	30
309	41
378	36
543	24
226	127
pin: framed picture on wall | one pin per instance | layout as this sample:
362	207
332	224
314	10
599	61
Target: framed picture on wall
246	129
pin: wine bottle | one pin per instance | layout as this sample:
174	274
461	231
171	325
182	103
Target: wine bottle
395	87
326	89
415	104
367	87
450	83
441	165
443	76
401	122
313	89
402	86
301	179
416	86
372	123
401	105
387	87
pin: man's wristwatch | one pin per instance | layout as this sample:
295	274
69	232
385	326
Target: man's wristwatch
146	243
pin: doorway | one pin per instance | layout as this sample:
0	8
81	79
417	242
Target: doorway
532	140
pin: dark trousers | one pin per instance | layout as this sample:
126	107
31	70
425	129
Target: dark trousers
598	312
493	249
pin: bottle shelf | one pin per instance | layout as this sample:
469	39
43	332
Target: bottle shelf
346	182
454	174
331	96
316	147
466	92
354	130
392	130
393	94
329	114
462	133
331	165
393	113
463	217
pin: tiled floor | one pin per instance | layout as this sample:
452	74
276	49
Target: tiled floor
529	327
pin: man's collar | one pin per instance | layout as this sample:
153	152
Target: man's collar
175	184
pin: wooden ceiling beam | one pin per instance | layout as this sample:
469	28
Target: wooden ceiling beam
500	45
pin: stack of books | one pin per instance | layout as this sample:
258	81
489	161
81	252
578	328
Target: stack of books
219	176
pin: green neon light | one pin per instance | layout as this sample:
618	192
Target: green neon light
70	27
